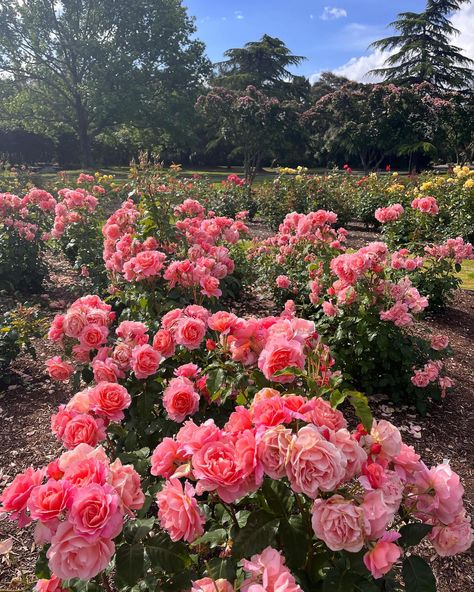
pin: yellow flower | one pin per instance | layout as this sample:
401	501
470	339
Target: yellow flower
426	186
461	171
395	174
469	184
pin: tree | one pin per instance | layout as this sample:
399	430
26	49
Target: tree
92	65
372	121
249	120
422	51
263	64
327	83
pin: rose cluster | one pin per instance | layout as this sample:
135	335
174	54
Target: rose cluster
79	503
359	481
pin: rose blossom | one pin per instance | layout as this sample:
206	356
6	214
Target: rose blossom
178	511
180	399
93	336
381	557
272	451
339	523
57	369
83	429
164	457
314	463
164	343
320	412
109	399
439	342
377	512
15	496
453	538
50	500
440	493
145	360
54	584
280	353
126	482
268	573
209	585
72	555
85	471
96	512
190	332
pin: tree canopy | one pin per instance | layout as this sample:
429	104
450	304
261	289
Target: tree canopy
422	51
90	65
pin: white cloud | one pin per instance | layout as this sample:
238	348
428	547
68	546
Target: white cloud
463	21
331	13
357	68
238	15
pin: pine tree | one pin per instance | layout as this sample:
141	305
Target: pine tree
423	51
263	64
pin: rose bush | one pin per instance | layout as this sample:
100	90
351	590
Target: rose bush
363	302
211	454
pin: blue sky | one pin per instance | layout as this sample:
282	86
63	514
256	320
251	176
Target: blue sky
332	35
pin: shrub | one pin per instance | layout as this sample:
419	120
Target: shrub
17	329
266	487
362	302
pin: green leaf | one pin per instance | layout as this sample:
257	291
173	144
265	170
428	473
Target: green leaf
221	568
129	563
417	575
289	371
215	380
213	538
278	497
258	533
169	556
412	534
361	408
296	542
336	398
136	530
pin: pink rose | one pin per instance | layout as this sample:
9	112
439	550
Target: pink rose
51	585
268	573
106	371
145	360
56	331
72	555
440	493
190	332
280	353
109	399
222	321
83	429
126	482
377	512
272	451
454	538
96	512
59	370
50	500
389	438
381	557
210	286
85	471
227	466
209	585
439	342
407	462
180	399
320	412
133	331
187	370
93	336
79	453
270	412
339	523
80	402
164	343
15	496
178	511
164	458
192	437
74	322
314	463
329	309
354	453
122	355
283	282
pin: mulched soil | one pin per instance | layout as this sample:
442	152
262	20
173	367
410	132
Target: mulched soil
445	433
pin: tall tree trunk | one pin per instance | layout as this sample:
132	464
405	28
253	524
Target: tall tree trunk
83	133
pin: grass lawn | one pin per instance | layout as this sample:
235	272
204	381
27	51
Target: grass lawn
467	275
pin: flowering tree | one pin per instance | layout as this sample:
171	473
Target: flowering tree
250	120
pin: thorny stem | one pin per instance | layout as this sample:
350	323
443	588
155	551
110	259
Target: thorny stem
106	583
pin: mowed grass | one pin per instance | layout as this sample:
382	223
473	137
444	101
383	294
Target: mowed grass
467	275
